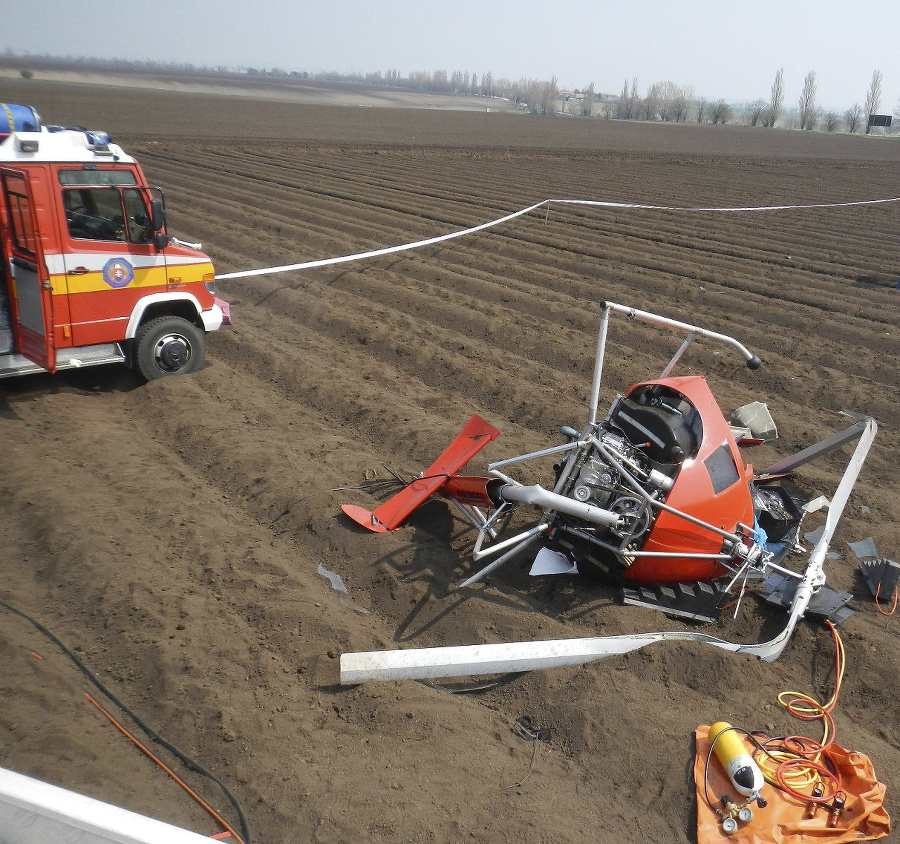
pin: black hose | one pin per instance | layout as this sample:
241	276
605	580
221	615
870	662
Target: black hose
186	760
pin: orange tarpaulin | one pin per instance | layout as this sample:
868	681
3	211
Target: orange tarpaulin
864	817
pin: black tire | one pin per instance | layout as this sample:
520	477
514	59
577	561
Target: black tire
168	345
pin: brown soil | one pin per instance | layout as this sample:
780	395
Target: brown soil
171	533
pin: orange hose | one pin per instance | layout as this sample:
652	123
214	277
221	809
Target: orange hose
168	770
878	606
806	755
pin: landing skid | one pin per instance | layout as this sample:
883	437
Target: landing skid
700	601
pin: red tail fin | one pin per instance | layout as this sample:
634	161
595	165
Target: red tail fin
475	436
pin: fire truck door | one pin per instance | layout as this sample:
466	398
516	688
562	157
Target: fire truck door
111	259
31	289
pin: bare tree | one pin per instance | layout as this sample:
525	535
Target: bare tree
519	90
756	112
650	106
702	114
721	112
628	100
832	121
666	93
807	104
682	102
852	117
504	88
873	98
587	104
671	100
440	81
549	91
776	100
487	84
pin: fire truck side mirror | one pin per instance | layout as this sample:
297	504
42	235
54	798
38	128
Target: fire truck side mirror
157	221
157	214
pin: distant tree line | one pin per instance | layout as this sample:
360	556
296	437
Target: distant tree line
538	95
665	101
809	115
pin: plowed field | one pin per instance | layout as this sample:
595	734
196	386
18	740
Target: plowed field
171	533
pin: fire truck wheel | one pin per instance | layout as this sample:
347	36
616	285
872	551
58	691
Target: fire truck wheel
168	346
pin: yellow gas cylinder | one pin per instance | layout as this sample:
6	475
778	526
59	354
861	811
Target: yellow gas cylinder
732	754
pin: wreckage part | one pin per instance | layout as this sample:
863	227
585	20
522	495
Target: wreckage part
677	356
668	536
882	578
507	657
757	419
864	549
475	492
569	433
530	537
753	362
698	601
845	487
491	526
634	517
605	309
819	449
814	575
827	602
666	439
479	553
364	518
574	461
612	564
589	552
541	497
471	660
474	436
776	508
544	452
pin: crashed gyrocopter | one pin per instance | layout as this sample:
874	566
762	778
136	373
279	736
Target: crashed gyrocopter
654	496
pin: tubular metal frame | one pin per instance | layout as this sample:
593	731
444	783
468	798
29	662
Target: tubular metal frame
485	526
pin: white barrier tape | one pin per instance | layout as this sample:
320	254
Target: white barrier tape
324	262
387	251
719	209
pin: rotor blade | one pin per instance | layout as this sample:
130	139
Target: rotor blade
470	660
819	449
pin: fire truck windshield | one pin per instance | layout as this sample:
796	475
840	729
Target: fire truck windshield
107	214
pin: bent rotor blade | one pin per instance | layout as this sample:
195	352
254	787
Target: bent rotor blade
819	449
845	487
507	657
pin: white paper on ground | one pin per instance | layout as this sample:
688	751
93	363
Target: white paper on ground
552	562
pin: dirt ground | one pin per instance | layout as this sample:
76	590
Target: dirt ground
171	533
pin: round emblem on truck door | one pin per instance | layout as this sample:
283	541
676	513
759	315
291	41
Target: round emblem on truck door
117	272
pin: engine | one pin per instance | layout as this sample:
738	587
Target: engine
628	467
601	480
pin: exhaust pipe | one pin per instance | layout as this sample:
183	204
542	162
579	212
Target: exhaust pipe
541	497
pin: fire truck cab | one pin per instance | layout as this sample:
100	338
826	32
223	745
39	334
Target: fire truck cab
88	274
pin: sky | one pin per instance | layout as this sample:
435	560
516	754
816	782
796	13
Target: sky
722	48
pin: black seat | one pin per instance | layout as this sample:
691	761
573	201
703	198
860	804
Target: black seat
662	432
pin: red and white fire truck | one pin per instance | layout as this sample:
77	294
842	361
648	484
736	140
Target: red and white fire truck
88	274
